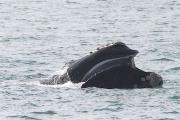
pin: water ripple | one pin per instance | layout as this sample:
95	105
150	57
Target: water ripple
175	97
24	117
173	69
49	112
163	59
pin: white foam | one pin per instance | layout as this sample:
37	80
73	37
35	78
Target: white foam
68	84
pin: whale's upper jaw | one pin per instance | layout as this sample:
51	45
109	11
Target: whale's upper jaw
118	49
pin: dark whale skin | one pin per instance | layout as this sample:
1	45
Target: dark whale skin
77	70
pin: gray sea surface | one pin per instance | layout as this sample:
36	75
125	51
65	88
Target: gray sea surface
38	37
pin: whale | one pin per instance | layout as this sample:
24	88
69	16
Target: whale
111	66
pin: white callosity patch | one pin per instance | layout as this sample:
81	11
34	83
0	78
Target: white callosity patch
154	79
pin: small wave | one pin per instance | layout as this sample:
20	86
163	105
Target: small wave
24	117
172	112
175	97
49	112
174	69
108	109
153	50
163	59
36	75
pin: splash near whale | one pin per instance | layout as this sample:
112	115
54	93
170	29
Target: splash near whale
110	67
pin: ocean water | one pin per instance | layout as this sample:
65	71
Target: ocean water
38	37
